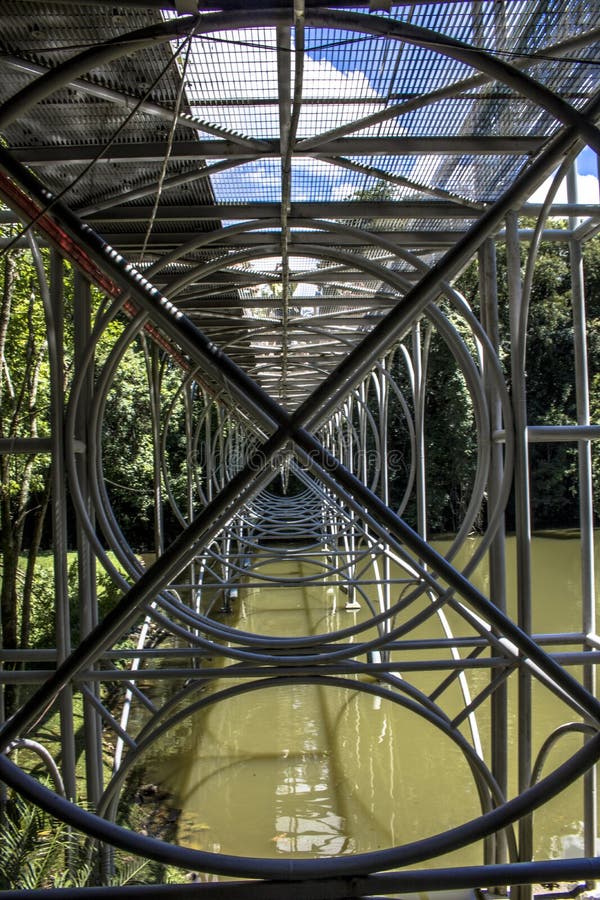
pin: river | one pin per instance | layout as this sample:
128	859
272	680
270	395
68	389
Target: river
304	770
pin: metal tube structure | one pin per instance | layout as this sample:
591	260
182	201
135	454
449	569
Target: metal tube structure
586	508
52	295
522	518
320	403
497	557
86	565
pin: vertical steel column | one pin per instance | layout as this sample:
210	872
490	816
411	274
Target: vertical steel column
383	388
586	506
522	522
360	406
384	411
419	409
361	467
208	446
488	290
190	486
221	480
86	568
55	325
154	378
336	518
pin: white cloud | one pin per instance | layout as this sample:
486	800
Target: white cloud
316	166
262	175
241	66
306	290
236	64
343	191
587	186
322	79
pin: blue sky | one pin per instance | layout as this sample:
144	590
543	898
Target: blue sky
587	162
587	181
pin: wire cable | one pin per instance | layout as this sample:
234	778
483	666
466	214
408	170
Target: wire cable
187	43
56	197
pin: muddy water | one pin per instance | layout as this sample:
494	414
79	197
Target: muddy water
306	771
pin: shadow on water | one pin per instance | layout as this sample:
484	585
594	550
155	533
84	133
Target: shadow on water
308	771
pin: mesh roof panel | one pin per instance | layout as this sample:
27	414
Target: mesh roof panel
495	116
250	182
234	65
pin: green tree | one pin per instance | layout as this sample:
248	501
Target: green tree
451	447
127	450
24	401
35	849
550	370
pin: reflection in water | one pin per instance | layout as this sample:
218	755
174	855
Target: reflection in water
302	771
264	759
313	771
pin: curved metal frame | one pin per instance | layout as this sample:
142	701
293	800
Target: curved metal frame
228	519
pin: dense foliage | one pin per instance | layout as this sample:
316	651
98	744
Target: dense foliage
450	439
27	585
37	852
550	369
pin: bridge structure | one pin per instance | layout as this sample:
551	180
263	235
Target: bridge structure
276	201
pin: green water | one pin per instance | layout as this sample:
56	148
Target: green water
306	771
